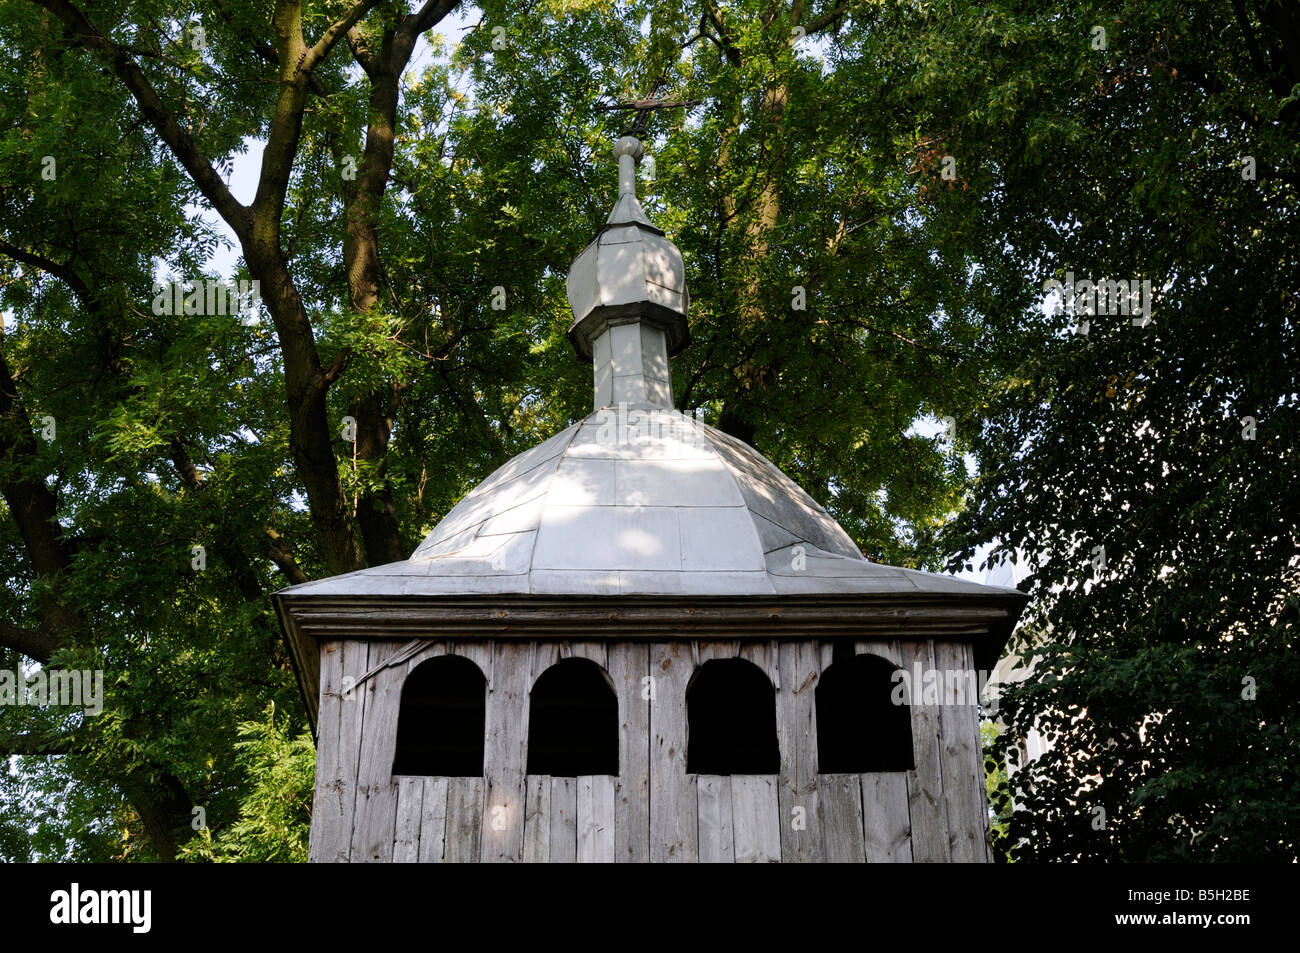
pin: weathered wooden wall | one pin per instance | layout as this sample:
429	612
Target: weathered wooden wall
654	810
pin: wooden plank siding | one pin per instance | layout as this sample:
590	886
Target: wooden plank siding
564	820
629	667
376	805
327	817
505	753
796	727
410	807
433	821
674	823
343	787
840	796
963	757
886	818
654	810
716	835
925	781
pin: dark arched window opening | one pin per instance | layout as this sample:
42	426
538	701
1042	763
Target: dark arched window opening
859	728
440	724
731	720
573	721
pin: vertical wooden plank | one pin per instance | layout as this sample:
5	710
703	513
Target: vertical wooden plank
841	803
707	651
464	820
344	786
826	653
673	807
544	655
564	820
505	752
592	650
717	839
756	819
887	825
762	655
410	806
478	651
376	811
327	802
888	650
595	819
629	665
433	821
796	727
962	757
925	782
427	651
537	819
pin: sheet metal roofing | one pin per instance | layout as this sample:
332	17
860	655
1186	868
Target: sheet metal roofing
638	501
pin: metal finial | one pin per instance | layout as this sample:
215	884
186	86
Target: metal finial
628	152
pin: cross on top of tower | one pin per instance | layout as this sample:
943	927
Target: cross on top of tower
643	107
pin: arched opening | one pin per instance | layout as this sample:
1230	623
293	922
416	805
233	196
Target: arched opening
731	720
440	724
573	721
859	728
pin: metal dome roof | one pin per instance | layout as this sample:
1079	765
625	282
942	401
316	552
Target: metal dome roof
638	500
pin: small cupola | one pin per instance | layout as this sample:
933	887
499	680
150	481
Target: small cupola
628	293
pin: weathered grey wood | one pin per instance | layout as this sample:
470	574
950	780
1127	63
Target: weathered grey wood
478	651
925	793
428	651
355	657
544	655
717	839
433	821
756	819
465	797
887	825
591	650
889	650
841	803
410	808
505	753
537	819
642	617
376	818
762	655
327	806
717	649
963	761
796	728
629	666
596	819
564	820
673	807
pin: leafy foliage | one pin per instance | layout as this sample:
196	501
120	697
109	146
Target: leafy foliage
403	190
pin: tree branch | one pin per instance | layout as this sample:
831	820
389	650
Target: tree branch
49	265
428	15
264	49
826	19
331	35
177	138
279	554
33	643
